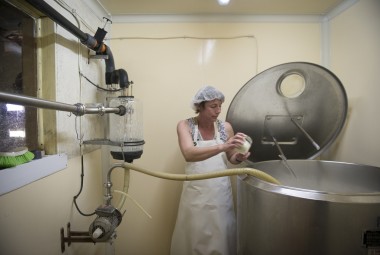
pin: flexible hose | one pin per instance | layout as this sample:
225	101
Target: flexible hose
125	188
134	201
177	177
192	177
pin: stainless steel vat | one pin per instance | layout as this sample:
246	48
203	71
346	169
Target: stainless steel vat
294	112
329	208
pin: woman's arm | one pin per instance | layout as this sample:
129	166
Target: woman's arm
192	153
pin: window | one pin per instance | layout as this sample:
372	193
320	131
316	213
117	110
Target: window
18	75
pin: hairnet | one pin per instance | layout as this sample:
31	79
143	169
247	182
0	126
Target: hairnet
207	93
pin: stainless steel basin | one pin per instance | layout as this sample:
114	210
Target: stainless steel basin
329	208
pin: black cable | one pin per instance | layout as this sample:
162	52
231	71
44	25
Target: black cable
97	86
80	191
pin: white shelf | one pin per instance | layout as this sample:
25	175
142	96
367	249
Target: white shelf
19	176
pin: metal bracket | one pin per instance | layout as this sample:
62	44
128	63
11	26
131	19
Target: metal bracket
282	127
74	237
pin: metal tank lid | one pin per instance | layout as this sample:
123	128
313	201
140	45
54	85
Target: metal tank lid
291	111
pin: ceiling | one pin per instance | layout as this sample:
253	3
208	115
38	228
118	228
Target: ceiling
211	7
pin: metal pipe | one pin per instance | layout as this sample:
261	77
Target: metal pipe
108	184
282	156
77	109
306	134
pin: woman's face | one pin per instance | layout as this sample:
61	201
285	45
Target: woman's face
211	109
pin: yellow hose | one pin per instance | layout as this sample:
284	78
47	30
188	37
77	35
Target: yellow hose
192	177
178	177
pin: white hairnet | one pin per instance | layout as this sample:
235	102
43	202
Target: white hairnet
207	93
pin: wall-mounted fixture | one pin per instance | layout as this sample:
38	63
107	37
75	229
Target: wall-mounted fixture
102	229
126	133
223	2
95	42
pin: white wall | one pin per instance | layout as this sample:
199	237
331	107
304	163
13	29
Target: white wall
166	76
355	59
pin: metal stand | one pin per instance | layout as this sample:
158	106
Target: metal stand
74	237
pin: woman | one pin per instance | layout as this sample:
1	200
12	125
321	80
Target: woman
206	222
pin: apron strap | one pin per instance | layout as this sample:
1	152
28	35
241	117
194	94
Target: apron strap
196	131
216	135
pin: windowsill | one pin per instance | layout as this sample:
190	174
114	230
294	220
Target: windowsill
19	176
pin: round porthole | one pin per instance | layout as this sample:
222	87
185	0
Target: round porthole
292	85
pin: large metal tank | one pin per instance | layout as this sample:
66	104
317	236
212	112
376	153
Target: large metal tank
331	208
294	112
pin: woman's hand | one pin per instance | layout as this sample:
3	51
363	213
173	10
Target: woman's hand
240	157
234	156
236	141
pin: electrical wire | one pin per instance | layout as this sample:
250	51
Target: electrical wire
183	37
195	38
80	191
76	16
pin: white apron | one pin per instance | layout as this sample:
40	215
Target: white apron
206	222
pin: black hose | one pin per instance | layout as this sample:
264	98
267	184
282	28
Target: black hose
110	67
